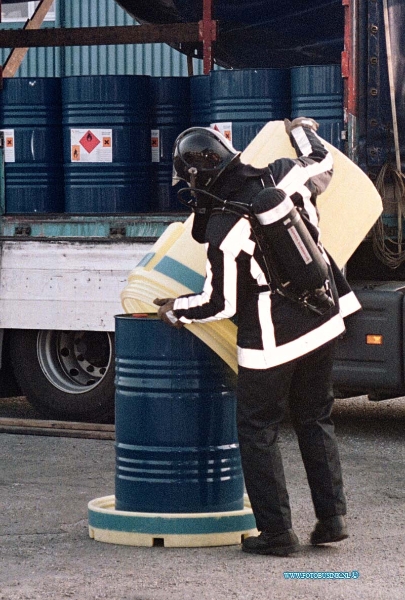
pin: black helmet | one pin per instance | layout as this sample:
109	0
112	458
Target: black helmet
200	155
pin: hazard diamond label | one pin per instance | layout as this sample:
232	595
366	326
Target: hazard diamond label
91	145
9	145
224	128
155	145
89	141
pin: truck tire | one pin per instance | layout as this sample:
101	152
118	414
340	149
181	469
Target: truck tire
66	374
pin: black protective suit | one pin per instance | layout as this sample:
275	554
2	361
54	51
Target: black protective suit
285	351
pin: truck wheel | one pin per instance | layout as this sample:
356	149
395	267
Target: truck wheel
65	374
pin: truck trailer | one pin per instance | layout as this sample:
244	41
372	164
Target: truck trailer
61	274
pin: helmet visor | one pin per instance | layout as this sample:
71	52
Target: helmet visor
200	155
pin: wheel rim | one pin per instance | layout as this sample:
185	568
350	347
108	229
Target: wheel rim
75	361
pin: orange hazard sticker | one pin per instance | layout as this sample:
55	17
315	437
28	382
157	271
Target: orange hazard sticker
76	152
154	142
106	142
9	142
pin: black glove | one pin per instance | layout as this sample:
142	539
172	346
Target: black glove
165	312
300	121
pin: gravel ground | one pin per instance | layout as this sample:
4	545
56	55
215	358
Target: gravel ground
46	552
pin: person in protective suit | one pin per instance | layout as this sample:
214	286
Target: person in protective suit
286	335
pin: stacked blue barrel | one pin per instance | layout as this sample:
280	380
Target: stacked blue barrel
200	101
170	115
244	100
30	116
106	143
317	92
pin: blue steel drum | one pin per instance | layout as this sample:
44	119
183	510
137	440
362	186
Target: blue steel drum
170	115
176	438
30	114
106	143
200	101
248	99
317	92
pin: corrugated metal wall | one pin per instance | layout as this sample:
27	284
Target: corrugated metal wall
142	59
38	62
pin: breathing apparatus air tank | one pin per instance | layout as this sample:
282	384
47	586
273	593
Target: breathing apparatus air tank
291	253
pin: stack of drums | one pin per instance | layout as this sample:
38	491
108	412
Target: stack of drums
176	440
317	92
244	100
106	143
170	107
103	144
30	115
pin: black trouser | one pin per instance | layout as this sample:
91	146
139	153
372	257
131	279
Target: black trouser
263	394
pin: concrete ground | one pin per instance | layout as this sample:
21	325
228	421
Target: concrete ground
46	552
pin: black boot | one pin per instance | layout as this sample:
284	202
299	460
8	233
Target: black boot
279	544
332	529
